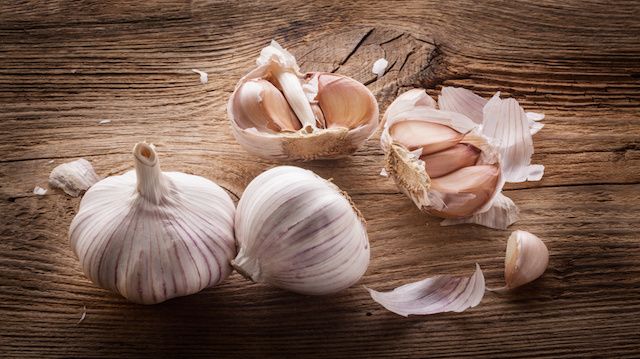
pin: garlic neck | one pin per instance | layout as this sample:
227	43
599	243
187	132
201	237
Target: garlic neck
247	267
293	92
151	183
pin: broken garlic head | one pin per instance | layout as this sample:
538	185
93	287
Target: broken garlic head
276	112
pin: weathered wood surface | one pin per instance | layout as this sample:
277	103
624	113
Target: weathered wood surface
64	66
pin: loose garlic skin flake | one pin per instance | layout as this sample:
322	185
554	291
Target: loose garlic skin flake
278	113
299	232
151	236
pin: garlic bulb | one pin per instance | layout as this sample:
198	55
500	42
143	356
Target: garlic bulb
449	164
150	235
526	259
298	231
276	112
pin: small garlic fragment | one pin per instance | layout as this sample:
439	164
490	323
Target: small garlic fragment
151	235
204	77
526	259
39	191
73	177
299	232
332	114
379	67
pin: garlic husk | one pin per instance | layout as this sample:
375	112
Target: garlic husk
438	294
299	232
420	164
73	177
151	235
349	118
526	259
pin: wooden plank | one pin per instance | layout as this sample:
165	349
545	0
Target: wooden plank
66	66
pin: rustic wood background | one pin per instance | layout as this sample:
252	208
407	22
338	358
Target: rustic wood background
66	65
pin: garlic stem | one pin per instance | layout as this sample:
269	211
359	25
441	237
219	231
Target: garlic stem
151	183
247	267
292	89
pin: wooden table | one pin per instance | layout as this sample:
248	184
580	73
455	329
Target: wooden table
66	65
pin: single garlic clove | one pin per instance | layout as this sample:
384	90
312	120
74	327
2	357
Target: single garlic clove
444	162
151	235
429	136
526	259
73	177
467	189
344	102
265	106
298	231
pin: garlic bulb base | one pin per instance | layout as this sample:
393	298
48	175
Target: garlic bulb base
407	170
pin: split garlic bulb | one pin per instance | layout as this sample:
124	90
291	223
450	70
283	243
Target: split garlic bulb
453	161
300	232
278	113
150	235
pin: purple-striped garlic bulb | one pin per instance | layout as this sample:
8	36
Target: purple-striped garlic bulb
279	113
299	232
151	235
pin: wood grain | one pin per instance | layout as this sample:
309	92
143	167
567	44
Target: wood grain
64	66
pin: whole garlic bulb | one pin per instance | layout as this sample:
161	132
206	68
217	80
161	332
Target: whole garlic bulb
300	232
150	235
278	113
453	161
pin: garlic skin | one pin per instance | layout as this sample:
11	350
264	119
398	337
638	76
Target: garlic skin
454	161
526	259
328	115
299	232
151	235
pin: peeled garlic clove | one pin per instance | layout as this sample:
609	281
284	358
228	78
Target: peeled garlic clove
467	189
151	235
73	177
526	259
336	114
439	294
299	232
263	104
431	137
344	101
444	162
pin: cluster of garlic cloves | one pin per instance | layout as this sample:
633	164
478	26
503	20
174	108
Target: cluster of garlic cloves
151	235
453	157
277	112
299	232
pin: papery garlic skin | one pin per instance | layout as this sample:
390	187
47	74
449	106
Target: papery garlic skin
150	235
299	232
431	153
526	259
335	114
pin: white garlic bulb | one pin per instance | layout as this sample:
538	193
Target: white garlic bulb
278	113
300	232
453	161
150	235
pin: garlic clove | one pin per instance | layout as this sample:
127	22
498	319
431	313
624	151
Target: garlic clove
344	102
526	259
151	235
501	214
438	294
431	137
263	104
299	232
446	161
467	189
